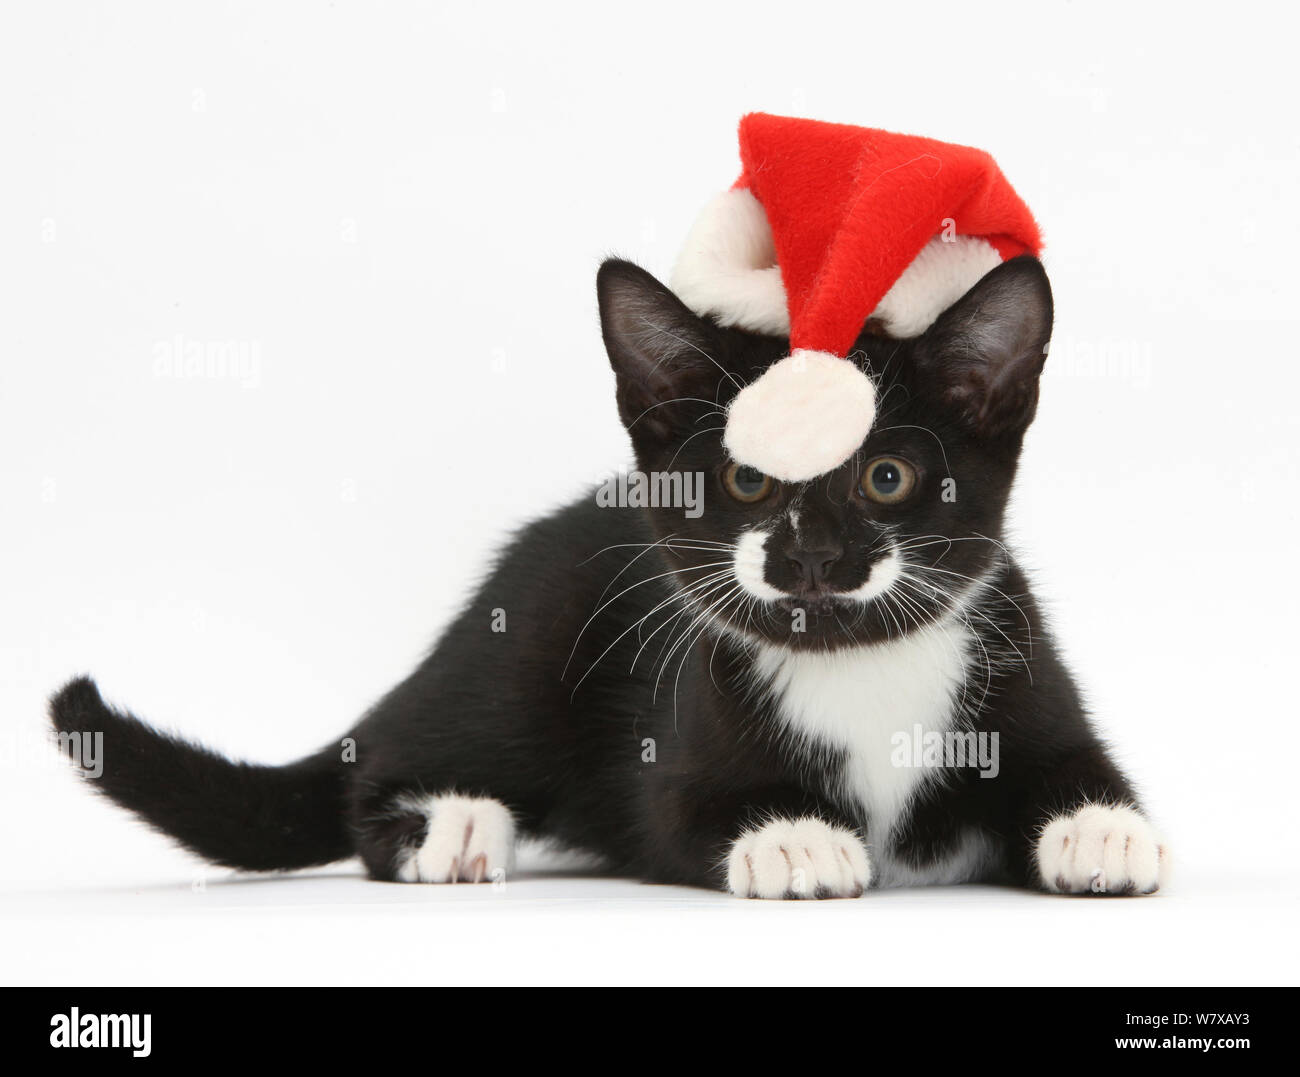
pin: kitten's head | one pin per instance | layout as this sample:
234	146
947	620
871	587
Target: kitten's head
893	539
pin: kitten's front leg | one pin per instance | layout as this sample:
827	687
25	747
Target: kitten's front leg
798	858
771	842
1100	842
1100	849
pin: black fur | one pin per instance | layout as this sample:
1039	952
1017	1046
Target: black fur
550	715
237	814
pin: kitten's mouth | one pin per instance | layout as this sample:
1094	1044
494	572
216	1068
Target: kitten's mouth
824	604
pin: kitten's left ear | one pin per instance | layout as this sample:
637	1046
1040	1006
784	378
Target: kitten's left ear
985	352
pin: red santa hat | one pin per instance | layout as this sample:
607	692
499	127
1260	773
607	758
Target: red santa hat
828	226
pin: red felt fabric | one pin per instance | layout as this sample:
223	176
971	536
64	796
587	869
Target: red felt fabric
851	207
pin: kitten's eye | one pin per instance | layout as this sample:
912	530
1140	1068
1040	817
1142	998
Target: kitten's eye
747	484
888	480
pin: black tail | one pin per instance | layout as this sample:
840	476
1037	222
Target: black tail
237	814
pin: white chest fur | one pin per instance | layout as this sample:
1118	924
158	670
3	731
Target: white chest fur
858	701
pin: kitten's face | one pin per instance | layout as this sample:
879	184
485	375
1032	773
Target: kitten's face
894	539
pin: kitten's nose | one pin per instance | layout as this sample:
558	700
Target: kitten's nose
813	565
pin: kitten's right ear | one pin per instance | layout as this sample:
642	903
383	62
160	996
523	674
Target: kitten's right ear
660	350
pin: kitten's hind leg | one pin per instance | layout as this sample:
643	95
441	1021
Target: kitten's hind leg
442	838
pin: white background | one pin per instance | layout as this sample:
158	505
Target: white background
399	209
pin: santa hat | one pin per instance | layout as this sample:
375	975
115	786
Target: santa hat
828	226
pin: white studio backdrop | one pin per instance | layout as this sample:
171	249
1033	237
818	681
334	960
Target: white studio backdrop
390	217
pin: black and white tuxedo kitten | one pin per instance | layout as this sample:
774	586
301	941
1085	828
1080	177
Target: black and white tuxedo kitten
783	690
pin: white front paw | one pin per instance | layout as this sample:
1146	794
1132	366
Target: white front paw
800	858
467	839
1101	849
